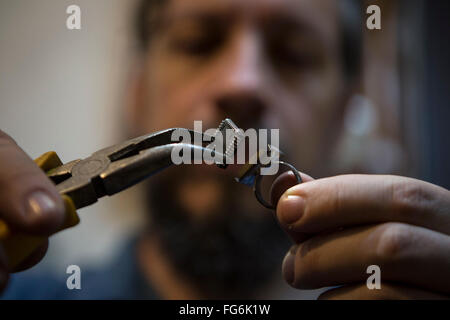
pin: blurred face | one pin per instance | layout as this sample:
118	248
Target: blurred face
268	63
262	63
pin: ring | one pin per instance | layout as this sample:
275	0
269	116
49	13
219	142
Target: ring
257	185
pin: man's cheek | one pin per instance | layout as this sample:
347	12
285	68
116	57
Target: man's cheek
170	107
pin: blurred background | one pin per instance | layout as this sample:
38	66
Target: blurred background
63	90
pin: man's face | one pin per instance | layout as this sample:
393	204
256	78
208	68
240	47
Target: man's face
261	63
266	63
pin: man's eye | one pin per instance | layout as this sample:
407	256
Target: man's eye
199	44
293	51
293	55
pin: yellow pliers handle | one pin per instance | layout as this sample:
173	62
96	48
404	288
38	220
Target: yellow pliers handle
19	246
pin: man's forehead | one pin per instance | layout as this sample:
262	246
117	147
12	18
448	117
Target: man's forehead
321	14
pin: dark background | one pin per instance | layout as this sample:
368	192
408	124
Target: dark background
436	110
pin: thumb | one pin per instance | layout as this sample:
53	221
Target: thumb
279	187
282	183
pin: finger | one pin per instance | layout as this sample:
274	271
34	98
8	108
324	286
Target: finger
327	204
404	253
33	259
28	199
282	183
388	291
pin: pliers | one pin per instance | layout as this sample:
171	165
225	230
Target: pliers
116	168
110	170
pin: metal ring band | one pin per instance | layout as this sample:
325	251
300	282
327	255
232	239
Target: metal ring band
257	185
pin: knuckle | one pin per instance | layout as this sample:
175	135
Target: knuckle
334	194
410	196
394	239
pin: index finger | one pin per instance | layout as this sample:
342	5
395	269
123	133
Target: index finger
326	204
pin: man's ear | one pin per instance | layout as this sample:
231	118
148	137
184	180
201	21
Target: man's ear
135	101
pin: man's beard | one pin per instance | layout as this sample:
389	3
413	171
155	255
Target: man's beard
225	254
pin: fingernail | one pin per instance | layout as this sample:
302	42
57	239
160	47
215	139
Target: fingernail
288	268
290	209
40	204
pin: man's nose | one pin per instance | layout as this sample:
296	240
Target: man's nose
241	93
